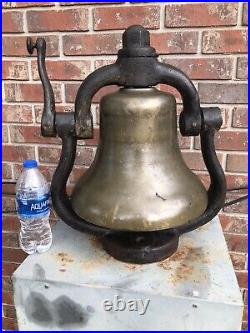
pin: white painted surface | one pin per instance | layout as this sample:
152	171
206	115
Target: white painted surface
64	288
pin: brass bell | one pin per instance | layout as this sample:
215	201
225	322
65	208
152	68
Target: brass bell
138	180
138	196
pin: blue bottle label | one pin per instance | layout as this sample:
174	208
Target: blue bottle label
32	207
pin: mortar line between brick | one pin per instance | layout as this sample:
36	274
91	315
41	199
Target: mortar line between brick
240	14
199	43
120	31
20	9
36	153
91	28
62	87
230	81
25	25
57	6
3	92
162	17
246	264
60	48
224	160
234	71
33	116
240	270
8	134
230	119
235	252
238	152
30	70
233	129
230	214
231	152
91	19
12	171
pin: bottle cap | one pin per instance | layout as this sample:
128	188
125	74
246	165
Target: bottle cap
30	164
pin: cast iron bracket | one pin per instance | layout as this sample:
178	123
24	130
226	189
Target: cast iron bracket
136	66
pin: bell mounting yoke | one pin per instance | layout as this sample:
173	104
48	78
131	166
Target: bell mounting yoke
136	66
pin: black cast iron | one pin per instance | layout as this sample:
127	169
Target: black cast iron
48	116
136	66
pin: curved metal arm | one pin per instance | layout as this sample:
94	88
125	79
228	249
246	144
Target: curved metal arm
48	116
60	199
104	76
138	72
190	117
217	190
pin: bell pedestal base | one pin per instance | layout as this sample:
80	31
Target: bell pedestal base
144	249
76	285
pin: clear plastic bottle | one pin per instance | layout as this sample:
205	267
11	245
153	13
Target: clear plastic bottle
33	209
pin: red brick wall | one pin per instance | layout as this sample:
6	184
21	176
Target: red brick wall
208	41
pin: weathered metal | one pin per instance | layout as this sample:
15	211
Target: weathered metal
138	191
64	289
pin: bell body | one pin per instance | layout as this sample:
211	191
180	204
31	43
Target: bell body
138	180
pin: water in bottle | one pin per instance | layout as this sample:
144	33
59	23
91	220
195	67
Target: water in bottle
33	209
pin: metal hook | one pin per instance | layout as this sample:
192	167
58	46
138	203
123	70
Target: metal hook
30	45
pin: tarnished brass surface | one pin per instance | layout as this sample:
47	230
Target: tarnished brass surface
138	180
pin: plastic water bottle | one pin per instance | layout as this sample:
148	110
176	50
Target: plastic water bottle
33	209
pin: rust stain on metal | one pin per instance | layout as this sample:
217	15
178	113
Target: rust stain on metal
132	267
90	265
64	259
94	263
185	252
191	263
